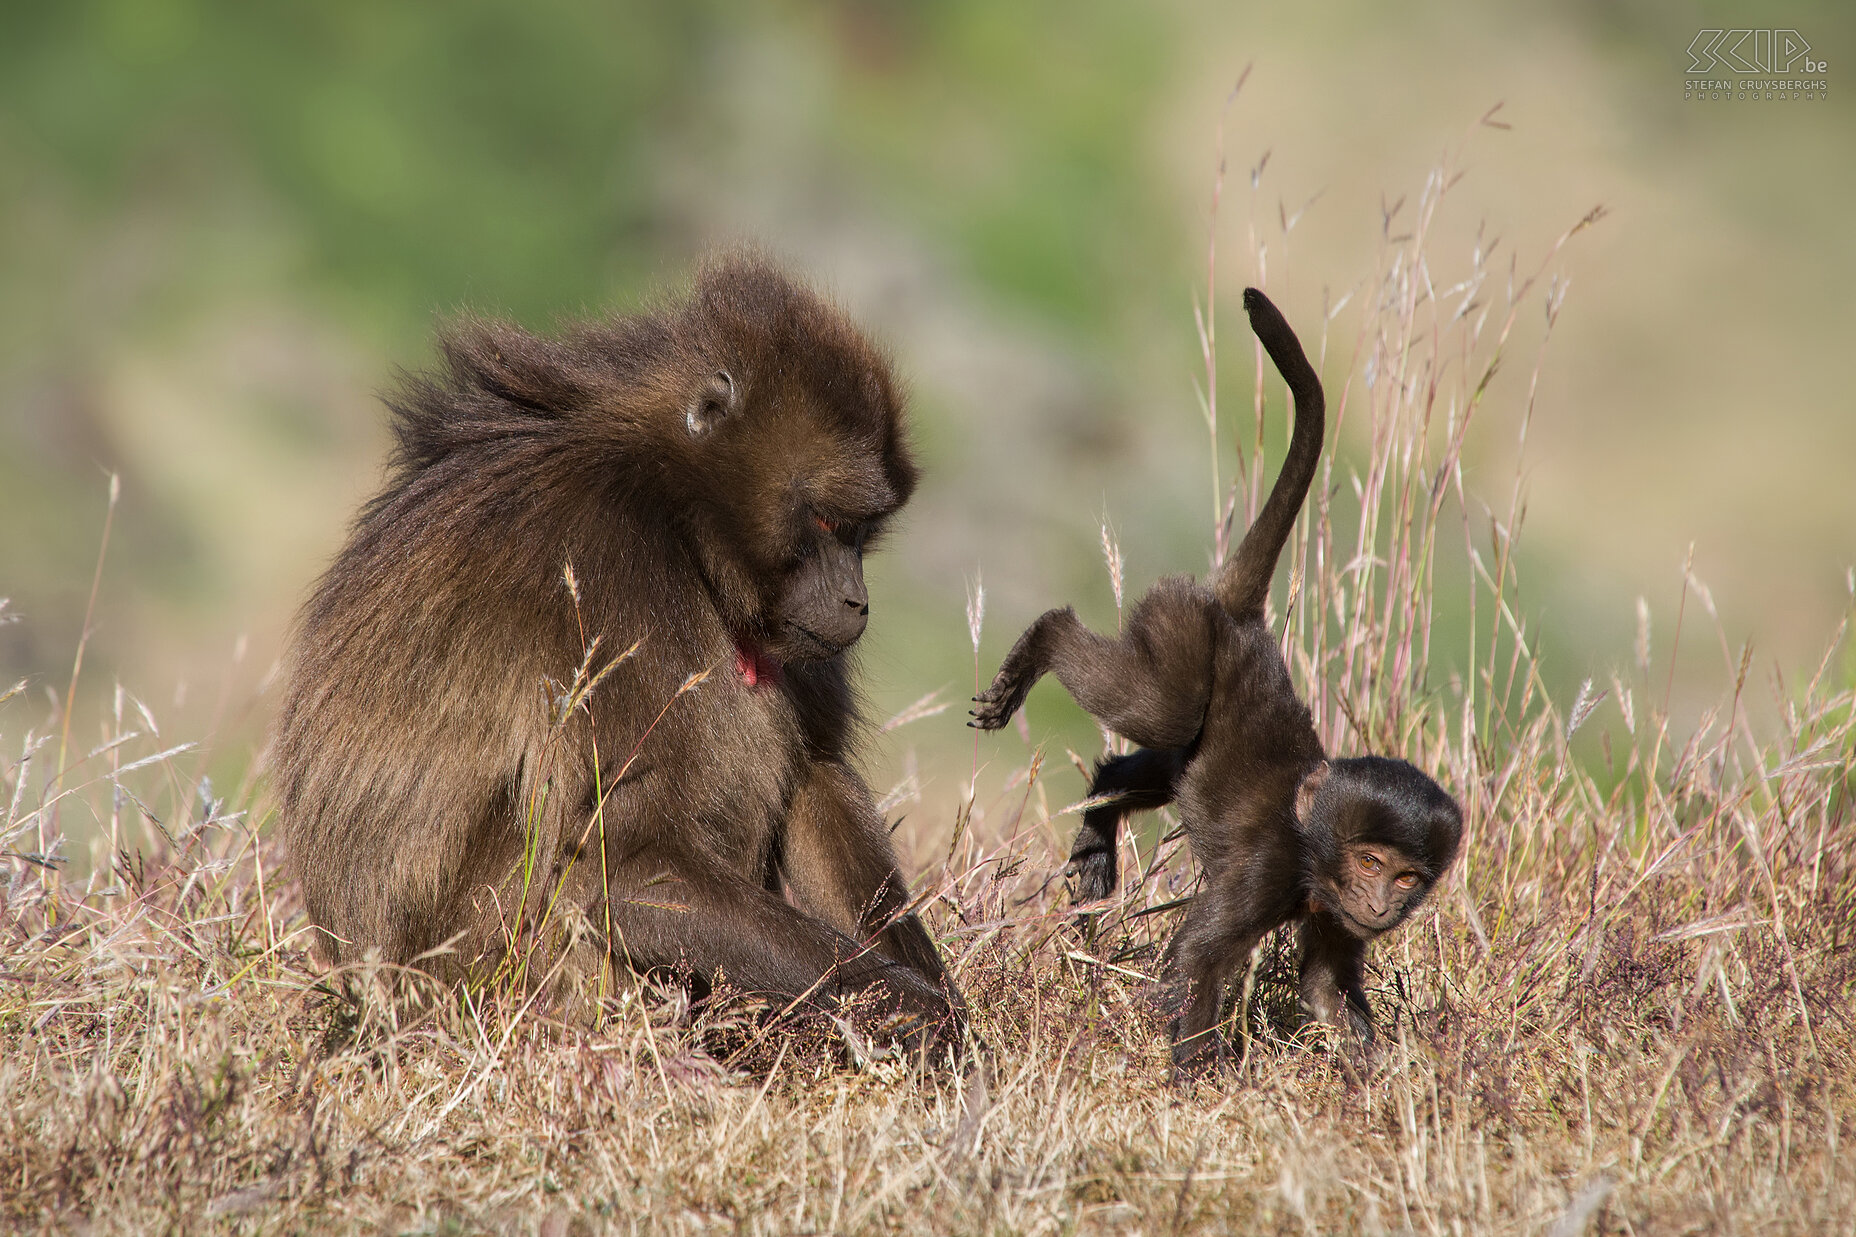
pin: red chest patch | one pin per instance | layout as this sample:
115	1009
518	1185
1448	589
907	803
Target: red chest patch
755	665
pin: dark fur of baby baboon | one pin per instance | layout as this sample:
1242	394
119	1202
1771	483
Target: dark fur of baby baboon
479	773
1349	848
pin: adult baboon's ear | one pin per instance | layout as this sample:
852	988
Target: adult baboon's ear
1306	792
718	399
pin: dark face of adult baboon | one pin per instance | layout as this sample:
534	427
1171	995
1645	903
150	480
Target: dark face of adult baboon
574	694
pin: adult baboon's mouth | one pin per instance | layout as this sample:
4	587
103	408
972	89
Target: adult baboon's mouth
811	646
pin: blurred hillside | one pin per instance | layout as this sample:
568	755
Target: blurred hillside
222	228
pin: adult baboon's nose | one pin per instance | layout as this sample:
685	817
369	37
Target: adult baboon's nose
848	576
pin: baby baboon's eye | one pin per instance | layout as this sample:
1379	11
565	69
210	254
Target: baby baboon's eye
1407	880
1370	864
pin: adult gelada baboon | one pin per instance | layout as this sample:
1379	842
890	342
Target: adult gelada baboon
1347	847
479	772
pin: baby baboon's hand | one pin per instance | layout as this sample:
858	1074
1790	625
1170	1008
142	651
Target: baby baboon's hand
994	707
1020	671
1092	875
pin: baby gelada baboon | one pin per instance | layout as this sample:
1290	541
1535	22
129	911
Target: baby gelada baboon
575	694
1348	847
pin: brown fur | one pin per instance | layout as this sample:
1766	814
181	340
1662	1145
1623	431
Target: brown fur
450	798
1281	833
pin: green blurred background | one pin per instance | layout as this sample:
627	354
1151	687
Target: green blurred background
223	226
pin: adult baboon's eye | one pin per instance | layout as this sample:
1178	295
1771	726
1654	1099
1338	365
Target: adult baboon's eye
850	532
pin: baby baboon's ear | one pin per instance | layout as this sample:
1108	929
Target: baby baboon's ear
1306	792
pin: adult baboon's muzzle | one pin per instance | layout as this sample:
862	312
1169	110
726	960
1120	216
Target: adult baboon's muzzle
826	606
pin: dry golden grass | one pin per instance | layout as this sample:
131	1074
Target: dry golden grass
1626	1009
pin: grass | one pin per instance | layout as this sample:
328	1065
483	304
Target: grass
1625	1010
